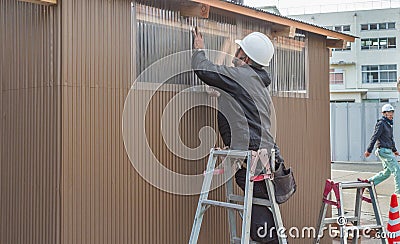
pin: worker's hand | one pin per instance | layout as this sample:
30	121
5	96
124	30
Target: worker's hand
367	154
397	153
212	92
198	42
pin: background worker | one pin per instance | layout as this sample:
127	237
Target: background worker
386	149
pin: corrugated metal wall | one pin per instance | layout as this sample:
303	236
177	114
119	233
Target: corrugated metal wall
72	136
30	144
104	199
98	183
303	134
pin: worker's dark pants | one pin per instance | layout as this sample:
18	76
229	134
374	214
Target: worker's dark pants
261	216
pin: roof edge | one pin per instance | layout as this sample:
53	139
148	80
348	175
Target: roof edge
274	18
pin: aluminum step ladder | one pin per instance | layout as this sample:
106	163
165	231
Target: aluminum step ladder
342	219
230	159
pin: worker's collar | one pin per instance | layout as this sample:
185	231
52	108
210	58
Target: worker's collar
389	121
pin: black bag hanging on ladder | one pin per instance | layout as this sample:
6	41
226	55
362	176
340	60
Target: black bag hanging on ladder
284	183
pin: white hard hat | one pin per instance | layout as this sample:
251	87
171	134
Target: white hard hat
258	47
387	108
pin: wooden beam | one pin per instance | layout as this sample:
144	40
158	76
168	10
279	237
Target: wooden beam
286	31
335	43
273	18
41	2
192	9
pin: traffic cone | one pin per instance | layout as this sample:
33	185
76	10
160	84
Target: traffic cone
393	227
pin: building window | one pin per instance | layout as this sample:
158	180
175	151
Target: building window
373	26
348	47
378	43
339	27
391	25
378	26
336	76
289	80
365	27
391	42
346	28
379	73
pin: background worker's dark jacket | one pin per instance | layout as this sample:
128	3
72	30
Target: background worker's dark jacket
383	135
244	105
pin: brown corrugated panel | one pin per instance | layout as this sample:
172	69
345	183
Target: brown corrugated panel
104	199
72	135
30	136
303	135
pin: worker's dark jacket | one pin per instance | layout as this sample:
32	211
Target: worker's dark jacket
383	135
244	107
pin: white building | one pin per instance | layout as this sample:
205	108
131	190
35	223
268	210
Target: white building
367	70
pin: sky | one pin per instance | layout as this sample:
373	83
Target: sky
308	6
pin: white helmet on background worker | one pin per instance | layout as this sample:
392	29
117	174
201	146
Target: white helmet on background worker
387	108
258	47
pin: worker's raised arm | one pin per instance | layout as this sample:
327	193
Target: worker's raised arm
212	74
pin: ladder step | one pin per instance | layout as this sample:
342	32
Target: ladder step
355	185
258	201
363	227
231	153
223	204
237	240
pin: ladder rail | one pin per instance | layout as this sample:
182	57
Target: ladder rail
229	192
248	202
357	214
321	224
378	216
201	208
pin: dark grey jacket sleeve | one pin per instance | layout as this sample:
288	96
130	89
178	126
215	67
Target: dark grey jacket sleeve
219	76
375	136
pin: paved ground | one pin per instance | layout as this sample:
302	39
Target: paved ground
345	171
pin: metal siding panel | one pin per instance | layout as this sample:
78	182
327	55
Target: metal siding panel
304	141
396	119
342	133
103	199
333	129
372	114
29	142
356	147
144	199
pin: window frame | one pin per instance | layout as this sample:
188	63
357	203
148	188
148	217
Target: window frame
340	28
334	72
371	46
388	26
379	70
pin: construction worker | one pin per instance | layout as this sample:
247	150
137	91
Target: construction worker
245	103
244	107
386	149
